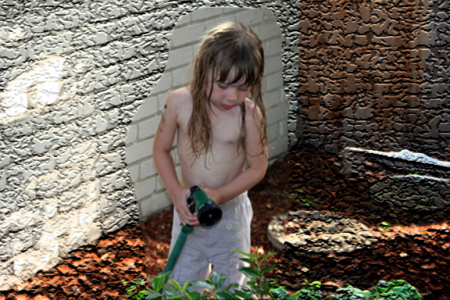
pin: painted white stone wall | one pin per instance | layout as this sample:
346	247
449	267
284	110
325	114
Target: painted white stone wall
73	74
150	191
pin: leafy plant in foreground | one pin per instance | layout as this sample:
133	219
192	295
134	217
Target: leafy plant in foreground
161	287
398	289
256	273
393	290
308	292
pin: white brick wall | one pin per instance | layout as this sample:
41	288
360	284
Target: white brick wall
183	45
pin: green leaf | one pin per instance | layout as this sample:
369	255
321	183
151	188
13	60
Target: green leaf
177	285
252	284
170	290
250	255
218	279
249	272
185	286
248	260
244	294
316	284
152	295
225	296
141	295
230	286
130	290
194	295
203	285
158	282
257	290
266	287
267	256
279	292
268	269
139	281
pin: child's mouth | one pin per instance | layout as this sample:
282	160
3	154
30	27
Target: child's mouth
224	106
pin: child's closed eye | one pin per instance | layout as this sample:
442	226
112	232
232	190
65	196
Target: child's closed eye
222	86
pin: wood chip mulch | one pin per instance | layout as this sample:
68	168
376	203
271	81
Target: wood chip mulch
419	252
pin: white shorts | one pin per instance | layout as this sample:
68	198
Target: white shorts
215	244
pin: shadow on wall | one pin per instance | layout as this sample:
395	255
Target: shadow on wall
150	191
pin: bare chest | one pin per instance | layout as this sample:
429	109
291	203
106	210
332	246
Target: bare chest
226	130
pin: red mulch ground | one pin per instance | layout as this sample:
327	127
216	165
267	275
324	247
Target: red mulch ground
97	271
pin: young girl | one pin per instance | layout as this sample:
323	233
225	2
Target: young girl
221	144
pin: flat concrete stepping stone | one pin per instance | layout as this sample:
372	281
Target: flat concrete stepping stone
316	231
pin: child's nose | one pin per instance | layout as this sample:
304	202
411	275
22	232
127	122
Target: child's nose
232	94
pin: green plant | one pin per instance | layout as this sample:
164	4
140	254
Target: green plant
350	293
257	284
213	285
424	202
298	196
272	181
385	226
393	290
308	292
159	287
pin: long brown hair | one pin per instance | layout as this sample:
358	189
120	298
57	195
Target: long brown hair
228	46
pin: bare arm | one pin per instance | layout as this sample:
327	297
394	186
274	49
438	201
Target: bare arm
162	157
257	161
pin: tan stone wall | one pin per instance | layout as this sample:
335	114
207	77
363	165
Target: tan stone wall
375	75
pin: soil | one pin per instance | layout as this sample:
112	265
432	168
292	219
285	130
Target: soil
415	248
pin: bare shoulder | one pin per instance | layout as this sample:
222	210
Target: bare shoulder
179	98
252	112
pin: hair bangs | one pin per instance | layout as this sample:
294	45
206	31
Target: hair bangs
240	64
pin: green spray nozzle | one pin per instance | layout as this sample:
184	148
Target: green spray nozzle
208	212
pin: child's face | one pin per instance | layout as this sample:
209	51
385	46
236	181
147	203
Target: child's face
225	95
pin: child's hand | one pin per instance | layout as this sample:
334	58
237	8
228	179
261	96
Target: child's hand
180	203
212	194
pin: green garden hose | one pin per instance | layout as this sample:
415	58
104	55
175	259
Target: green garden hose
208	213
